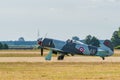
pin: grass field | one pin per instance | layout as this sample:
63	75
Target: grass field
33	53
20	53
59	71
56	70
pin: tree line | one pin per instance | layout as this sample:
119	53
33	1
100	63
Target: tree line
116	39
94	41
89	40
3	46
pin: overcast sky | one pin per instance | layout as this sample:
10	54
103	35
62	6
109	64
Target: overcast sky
60	19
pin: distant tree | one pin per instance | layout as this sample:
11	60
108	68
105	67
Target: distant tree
93	41
88	39
116	38
5	46
75	38
1	45
21	39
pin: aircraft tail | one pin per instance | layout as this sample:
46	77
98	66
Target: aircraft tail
109	44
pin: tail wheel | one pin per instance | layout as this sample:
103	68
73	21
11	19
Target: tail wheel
103	58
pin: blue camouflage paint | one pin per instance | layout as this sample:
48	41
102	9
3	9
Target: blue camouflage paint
93	50
72	47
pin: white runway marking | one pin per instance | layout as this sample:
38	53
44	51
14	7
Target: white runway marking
54	59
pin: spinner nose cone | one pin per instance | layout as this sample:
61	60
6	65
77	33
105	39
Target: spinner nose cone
40	41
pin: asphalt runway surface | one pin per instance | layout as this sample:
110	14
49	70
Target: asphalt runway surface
54	59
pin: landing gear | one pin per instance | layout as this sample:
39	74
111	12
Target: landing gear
49	56
61	57
103	58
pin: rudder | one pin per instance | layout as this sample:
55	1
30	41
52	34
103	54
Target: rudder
109	44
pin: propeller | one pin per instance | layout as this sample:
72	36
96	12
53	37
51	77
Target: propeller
40	41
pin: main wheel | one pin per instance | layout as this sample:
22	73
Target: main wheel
61	57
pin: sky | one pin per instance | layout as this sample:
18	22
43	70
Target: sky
59	19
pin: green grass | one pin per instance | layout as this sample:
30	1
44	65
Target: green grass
59	71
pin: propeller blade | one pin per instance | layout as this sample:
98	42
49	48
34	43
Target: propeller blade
41	51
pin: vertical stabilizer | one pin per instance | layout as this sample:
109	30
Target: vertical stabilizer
109	44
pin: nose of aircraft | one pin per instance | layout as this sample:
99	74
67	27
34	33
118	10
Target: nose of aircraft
40	41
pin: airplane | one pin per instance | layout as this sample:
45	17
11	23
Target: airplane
74	47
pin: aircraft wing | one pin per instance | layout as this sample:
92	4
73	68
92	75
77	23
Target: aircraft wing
101	50
58	50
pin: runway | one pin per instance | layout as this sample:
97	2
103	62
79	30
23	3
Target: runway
54	59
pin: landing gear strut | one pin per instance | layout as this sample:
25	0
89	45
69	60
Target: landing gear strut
103	58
